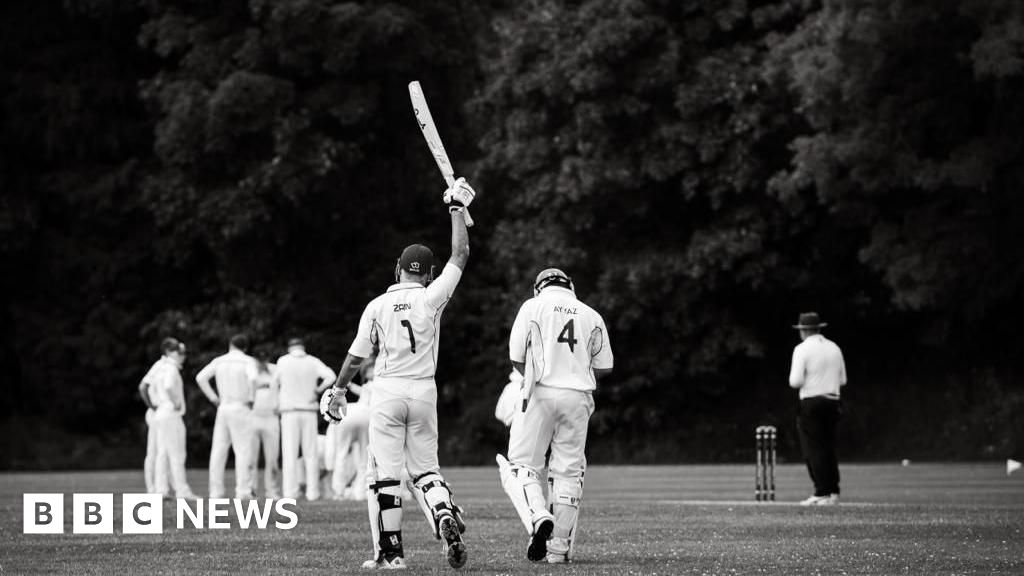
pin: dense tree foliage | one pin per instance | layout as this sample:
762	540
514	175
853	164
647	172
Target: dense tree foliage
703	170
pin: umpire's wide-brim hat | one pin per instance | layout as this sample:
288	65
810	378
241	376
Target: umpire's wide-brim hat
809	320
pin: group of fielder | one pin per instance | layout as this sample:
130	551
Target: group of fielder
558	348
265	405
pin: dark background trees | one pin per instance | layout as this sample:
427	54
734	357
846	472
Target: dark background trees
704	171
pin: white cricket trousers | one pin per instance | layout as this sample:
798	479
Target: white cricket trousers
149	466
403	435
231	430
170	440
266	430
555	417
298	431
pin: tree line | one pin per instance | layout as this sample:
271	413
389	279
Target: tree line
703	170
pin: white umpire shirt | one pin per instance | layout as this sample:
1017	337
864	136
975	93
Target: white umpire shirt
818	368
574	339
298	373
233	372
404	323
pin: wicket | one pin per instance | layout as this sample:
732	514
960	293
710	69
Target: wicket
764	475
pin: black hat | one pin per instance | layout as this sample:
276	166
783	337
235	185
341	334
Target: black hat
809	320
416	259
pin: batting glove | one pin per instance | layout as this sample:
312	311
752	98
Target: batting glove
460	194
333	405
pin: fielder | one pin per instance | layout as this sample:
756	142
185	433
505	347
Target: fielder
168	395
302	377
404	324
232	429
351	440
266	428
561	347
150	468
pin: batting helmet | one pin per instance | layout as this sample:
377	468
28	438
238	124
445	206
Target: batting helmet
552	277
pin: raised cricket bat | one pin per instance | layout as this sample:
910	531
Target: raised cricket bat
426	124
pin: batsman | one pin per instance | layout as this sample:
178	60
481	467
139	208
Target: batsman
561	347
404	325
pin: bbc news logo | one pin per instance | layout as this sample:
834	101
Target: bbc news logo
144	514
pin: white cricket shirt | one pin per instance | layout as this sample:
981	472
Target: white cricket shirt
818	368
164	380
233	372
574	339
298	374
404	323
267	390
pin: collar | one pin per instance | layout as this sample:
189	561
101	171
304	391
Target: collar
556	290
405	286
297	352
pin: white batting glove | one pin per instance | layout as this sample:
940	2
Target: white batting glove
333	405
459	194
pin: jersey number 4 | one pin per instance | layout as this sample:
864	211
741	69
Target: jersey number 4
568	335
412	339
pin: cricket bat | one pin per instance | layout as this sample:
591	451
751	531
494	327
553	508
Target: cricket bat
426	124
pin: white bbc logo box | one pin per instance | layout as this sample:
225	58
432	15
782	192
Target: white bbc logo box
93	514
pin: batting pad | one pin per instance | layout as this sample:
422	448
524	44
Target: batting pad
566	494
523	487
435	499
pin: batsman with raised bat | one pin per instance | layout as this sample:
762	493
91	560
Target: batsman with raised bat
561	347
404	324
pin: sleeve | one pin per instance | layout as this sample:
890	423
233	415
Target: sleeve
442	288
207	372
796	370
520	330
362	346
601	347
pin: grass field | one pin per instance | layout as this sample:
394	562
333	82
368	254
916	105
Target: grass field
919	519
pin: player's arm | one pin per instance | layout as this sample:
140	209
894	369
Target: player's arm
349	368
842	369
796	370
601	351
459	197
517	339
361	348
203	379
144	393
327	377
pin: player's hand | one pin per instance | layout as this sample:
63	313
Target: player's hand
459	194
333	405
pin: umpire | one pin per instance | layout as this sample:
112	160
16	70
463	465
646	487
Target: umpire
818	371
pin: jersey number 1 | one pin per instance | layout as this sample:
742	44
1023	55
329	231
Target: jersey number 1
568	334
412	340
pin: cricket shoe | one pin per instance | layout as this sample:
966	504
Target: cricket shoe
819	501
454	547
538	548
383	563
